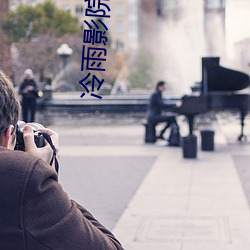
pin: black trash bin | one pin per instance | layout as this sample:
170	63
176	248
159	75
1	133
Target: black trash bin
189	146
207	140
150	133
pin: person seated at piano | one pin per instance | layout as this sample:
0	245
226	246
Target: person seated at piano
155	107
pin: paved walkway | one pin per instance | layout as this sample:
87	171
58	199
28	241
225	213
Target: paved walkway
186	204
181	204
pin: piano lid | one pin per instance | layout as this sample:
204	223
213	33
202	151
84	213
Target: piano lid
218	78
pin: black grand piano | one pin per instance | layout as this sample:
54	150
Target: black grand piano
220	89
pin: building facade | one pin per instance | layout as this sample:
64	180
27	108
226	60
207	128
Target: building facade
122	24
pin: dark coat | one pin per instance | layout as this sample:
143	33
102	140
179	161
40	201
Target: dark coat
31	94
36	214
155	105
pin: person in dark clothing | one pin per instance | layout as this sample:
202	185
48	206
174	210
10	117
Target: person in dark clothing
35	212
29	91
154	110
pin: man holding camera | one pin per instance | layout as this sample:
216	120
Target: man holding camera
35	212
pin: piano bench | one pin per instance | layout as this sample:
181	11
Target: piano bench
150	132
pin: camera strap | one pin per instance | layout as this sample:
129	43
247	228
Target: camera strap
48	139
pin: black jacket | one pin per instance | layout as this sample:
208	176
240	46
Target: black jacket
155	104
32	93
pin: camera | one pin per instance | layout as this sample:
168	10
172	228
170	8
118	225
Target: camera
38	137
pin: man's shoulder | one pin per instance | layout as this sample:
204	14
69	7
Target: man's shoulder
156	95
16	169
21	162
16	160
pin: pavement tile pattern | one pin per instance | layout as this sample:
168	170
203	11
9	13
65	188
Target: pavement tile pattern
173	203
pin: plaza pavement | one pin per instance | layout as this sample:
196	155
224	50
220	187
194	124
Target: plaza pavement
175	203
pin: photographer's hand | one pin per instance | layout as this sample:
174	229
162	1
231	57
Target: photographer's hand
45	153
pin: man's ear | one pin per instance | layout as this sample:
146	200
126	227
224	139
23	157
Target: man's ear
7	139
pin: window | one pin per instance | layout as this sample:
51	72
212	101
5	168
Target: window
79	10
108	24
119	26
214	4
132	10
119	9
67	8
119	44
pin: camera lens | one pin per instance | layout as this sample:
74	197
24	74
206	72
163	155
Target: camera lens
38	137
35	125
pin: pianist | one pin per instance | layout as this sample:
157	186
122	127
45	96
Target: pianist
155	107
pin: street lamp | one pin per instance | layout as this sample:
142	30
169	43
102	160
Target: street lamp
64	51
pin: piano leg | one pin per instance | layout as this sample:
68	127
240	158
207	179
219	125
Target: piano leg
190	123
243	114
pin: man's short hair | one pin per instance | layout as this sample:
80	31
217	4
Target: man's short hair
9	104
159	84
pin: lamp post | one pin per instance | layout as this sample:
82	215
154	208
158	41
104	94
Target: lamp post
64	51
